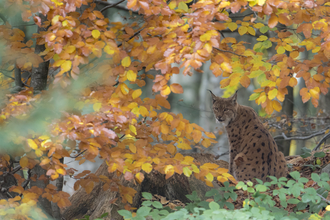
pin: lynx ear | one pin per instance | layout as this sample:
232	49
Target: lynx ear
234	98
213	96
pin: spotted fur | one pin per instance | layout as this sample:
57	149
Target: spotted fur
253	152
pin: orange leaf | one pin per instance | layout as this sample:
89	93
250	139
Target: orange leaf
273	20
210	134
176	88
245	81
318	77
197	135
293	82
164	129
305	94
24	162
124	89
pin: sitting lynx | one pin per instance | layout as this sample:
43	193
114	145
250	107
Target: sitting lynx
253	151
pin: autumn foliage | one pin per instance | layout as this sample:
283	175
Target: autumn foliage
130	130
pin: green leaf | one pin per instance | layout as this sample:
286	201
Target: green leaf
147	195
104	215
157	205
295	175
214	206
264	29
147	203
324	177
125	213
143	211
255	73
315	177
319	154
293	201
261	188
254	96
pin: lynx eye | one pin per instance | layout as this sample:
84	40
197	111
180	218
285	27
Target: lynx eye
226	110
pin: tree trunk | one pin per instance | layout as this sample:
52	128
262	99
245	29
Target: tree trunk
99	202
288	105
39	74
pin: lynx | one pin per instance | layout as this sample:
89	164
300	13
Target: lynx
253	152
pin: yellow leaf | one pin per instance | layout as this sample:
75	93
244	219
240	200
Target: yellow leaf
205	37
165	91
183	6
66	65
124	89
61	171
147	167
242	30
144	111
222	179
232	26
280	50
38	153
187	172
209	177
262	98
327	131
132	148
272	94
32	144
108	50
136	93
131	75
96	34
139	177
315	92
277	106
168	169
226	67
251	31
133	129
97	106
126	62
172	5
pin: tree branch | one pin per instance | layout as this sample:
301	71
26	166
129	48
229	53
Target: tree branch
283	136
227	51
321	141
110	5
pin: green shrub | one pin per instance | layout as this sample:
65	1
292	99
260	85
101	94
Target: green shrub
259	204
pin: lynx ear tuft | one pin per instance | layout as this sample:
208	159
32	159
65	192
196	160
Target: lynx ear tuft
234	98
213	96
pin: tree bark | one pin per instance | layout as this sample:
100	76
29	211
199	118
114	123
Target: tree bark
99	202
39	74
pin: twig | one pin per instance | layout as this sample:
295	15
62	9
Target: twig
324	199
135	34
321	142
227	51
78	154
111	6
283	136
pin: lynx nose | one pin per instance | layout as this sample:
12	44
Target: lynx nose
220	119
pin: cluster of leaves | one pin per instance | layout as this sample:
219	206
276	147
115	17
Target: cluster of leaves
125	128
317	162
260	203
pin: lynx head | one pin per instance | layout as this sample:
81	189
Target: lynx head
225	109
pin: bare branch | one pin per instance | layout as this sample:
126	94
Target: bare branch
110	5
321	141
283	136
227	51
